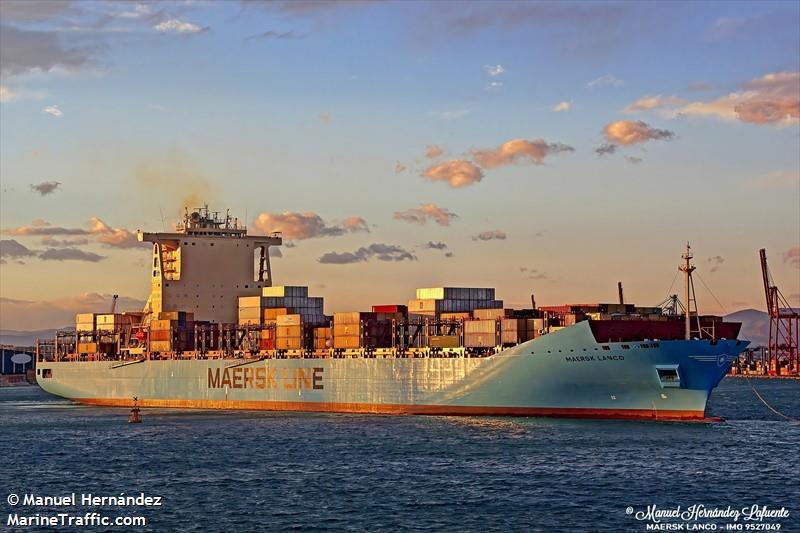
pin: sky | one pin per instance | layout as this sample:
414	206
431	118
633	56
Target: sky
552	148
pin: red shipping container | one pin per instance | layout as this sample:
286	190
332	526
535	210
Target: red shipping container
266	344
390	309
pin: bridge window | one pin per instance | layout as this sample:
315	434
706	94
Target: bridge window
606	348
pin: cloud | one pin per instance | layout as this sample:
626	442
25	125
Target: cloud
772	99
274	251
648	103
562	106
41	227
494	85
275	35
325	117
69	254
309	225
102	232
518	150
53	110
113	237
27	11
59	313
605	149
575	27
306	8
382	252
494	70
715	262
354	225
628	132
420	215
536	274
493	235
633	160
46	187
792	256
11	249
23	51
456	172
440	246
139	11
7	94
780	179
605	80
775	24
399	168
432	151
50	242
178	26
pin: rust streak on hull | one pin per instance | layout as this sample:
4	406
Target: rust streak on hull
396	409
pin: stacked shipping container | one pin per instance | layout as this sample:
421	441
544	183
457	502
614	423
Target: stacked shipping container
437	300
281	300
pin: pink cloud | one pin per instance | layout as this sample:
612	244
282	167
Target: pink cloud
432	151
309	225
628	132
420	215
518	150
457	173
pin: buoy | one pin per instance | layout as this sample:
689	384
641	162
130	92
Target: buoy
136	416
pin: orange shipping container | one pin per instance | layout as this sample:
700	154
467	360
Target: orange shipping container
272	314
289	320
160	335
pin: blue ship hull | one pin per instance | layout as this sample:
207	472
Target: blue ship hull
564	373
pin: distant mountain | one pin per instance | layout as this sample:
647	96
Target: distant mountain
755	325
25	338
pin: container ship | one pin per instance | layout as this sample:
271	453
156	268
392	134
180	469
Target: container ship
217	333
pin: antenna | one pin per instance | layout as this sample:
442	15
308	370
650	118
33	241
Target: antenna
163	224
688	289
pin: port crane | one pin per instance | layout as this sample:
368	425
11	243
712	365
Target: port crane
784	325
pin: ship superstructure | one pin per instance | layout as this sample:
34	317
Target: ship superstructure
206	264
217	334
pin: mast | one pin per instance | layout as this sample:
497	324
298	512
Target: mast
688	288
